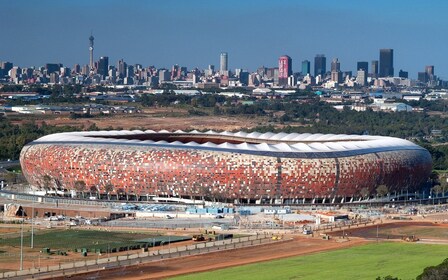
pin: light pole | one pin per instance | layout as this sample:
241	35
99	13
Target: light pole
21	243
32	224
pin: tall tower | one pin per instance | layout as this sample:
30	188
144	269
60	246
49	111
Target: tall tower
284	69
223	67
91	52
386	62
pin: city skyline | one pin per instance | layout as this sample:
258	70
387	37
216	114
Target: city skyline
193	34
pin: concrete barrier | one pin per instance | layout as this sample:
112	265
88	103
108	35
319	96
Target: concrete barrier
122	258
67	265
79	264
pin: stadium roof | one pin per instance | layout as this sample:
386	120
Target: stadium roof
240	141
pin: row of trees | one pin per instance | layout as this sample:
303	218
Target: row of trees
13	137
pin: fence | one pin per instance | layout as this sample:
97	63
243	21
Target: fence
71	268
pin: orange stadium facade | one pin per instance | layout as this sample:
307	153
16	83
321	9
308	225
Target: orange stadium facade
229	166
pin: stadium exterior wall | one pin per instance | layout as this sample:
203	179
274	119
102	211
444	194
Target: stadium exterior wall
222	171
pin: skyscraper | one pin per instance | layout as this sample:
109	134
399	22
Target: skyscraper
430	72
374	70
91	52
103	66
386	63
403	74
284	69
223	66
320	65
121	68
362	65
306	67
335	65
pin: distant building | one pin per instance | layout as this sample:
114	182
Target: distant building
403	74
103	66
306	67
361	78
362	65
223	66
374	70
121	68
284	69
320	65
335	65
52	67
386	63
430	72
422	77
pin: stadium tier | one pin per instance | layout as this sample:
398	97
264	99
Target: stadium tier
225	165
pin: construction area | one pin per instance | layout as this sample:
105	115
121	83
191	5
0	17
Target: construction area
118	241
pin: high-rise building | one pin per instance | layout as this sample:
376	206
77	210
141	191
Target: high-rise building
386	63
429	69
361	78
76	69
336	76
52	67
375	68
306	67
430	72
91	38
210	70
320	65
403	74
422	77
284	69
103	66
223	66
121	68
362	65
335	65
130	71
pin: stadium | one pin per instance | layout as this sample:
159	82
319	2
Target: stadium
246	167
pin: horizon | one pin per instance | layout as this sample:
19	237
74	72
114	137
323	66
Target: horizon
194	34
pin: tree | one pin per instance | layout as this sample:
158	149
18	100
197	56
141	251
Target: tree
11	177
93	189
80	186
439	272
108	188
46	180
388	277
382	190
437	189
364	192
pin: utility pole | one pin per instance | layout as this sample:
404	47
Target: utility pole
21	243
32	224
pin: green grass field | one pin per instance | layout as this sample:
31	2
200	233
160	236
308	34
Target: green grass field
73	238
402	260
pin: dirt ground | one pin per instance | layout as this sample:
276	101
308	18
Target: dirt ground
155	119
398	230
299	245
168	268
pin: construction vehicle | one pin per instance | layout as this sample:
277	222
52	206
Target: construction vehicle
410	238
198	237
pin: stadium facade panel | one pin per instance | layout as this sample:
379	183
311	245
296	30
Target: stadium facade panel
225	165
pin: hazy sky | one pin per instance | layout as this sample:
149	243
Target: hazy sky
192	33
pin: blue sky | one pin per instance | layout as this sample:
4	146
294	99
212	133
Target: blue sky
254	33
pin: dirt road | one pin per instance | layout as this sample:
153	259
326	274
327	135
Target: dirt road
159	270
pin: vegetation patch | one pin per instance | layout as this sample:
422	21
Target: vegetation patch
402	260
